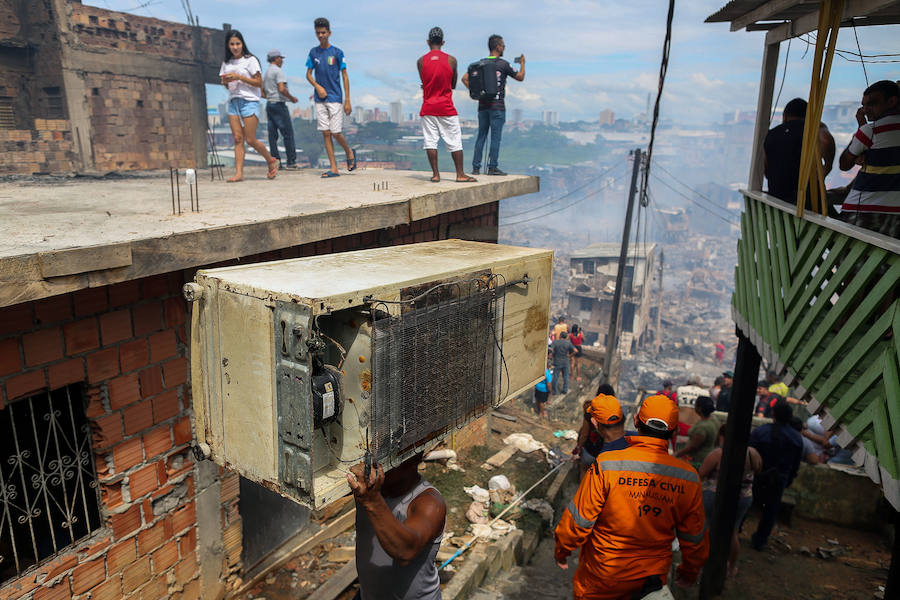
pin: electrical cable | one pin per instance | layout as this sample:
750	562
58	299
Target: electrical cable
571	204
861	59
711	202
569	193
663	68
783	76
689	199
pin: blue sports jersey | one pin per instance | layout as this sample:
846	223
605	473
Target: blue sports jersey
327	64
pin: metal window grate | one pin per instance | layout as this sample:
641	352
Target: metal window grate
437	364
48	485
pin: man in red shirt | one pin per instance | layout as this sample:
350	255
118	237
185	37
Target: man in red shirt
437	70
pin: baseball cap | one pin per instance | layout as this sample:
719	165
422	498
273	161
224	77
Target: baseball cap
436	34
606	410
658	413
728	374
273	54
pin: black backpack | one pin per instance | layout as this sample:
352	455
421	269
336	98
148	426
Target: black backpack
483	79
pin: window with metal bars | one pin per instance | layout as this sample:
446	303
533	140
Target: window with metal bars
7	115
48	485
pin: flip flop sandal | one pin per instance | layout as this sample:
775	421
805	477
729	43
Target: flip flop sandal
466	180
328	174
351	162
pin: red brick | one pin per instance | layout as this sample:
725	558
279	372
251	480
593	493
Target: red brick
184	517
121	555
54	309
127	454
81	336
65	373
157	441
155	590
188	542
122	294
107	430
111	494
175	311
95	406
42	346
126	522
147	318
151	381
16	318
182	431
162	345
10	360
88	575
23	385
136	574
175	372
133	355
142	482
59	566
110	590
138	417
165	406
152	538
103	365
153	287
192	590
59	591
186	569
123	390
90	301
115	326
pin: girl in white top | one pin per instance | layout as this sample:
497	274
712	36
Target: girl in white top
242	75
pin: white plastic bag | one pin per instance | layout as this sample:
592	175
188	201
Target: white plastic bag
498	482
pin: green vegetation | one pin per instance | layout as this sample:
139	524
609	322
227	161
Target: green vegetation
307	138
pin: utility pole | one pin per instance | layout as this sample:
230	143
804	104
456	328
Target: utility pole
659	303
613	338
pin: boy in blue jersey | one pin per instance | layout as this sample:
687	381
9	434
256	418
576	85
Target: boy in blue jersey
325	68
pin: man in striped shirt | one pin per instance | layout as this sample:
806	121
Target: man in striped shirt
874	199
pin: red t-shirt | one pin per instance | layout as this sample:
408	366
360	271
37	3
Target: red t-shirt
437	75
577	339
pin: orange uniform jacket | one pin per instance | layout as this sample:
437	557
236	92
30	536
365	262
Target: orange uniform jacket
628	508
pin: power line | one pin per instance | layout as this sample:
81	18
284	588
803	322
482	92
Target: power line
567	194
689	199
589	195
693	190
783	76
861	59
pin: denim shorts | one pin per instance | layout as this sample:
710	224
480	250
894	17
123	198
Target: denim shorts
243	108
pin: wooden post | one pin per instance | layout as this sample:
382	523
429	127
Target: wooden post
659	303
763	112
892	587
731	471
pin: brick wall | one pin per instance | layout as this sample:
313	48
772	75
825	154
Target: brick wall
46	149
127	344
99	28
139	123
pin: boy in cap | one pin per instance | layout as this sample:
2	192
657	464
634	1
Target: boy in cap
608	420
276	92
437	70
627	510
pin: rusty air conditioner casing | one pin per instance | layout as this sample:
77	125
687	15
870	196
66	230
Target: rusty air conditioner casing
302	367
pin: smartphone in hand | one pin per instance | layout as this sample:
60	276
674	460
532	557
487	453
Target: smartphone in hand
517	60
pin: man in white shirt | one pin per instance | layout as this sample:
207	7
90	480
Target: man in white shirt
276	92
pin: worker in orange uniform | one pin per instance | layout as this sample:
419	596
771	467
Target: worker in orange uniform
627	510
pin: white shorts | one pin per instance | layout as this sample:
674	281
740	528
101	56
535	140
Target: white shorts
445	128
329	116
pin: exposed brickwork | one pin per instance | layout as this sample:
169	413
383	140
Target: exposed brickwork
126	343
46	149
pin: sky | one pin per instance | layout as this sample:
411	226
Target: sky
581	56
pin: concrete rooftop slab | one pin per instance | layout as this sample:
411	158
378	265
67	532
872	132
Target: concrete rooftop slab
60	236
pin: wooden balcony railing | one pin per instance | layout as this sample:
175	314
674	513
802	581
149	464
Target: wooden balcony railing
822	299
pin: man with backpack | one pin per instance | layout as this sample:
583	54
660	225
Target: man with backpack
490	94
781	449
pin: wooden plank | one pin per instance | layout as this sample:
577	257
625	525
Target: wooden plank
499	458
300	543
810	21
859	388
83	260
856	354
891	381
557	482
887	458
763	110
339	582
767	297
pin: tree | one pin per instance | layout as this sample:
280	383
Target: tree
381	131
308	139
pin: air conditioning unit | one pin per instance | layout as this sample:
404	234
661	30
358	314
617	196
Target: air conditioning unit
302	368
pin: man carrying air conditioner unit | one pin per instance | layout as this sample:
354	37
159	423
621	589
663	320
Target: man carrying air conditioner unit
399	526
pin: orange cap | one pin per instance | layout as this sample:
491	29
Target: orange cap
606	410
658	412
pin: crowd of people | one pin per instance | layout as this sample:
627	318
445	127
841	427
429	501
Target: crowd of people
872	199
326	71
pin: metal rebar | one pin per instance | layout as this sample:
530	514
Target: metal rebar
178	191
172	186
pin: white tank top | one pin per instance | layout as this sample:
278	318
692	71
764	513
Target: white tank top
380	576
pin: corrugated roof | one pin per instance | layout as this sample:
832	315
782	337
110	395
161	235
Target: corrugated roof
733	10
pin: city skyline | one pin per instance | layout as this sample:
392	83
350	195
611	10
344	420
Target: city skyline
580	60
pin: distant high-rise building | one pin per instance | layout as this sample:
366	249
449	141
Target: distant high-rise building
517	115
368	115
550	117
607	117
395	112
358	115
